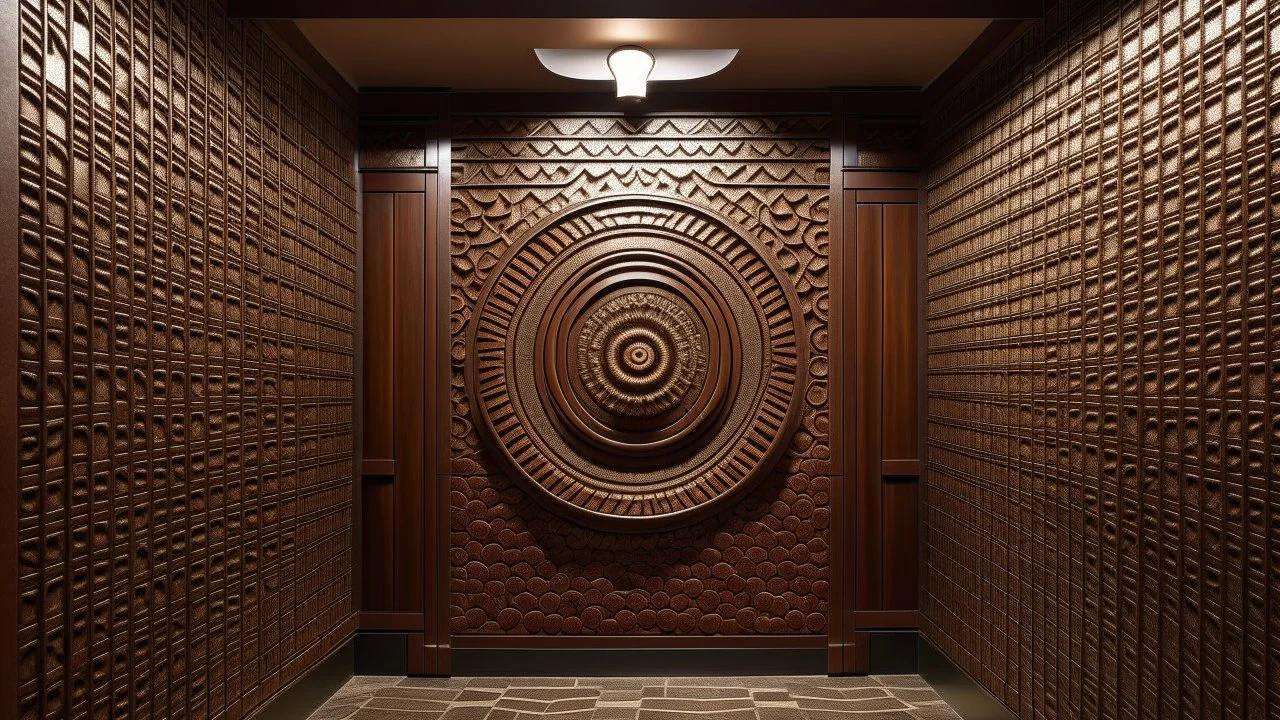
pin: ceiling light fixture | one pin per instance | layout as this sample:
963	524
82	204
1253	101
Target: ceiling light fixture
632	67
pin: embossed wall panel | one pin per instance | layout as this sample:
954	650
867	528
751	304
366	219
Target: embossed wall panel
1103	494
758	563
187	262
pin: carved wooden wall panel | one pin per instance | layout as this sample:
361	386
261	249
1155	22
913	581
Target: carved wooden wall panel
1102	510
756	564
187	213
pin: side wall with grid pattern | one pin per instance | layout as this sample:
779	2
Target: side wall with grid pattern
187	210
1102	508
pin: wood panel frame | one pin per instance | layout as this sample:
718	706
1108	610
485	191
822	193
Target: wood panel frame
422	448
651	9
855	435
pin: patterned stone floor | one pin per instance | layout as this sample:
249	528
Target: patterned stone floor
891	697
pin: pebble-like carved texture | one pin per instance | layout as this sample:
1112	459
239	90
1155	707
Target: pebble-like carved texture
1102	508
187	215
760	564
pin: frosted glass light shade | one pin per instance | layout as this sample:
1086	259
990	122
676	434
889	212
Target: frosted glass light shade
630	66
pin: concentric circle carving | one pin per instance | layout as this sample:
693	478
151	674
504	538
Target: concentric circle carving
635	360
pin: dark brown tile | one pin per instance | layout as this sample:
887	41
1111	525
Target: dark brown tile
412	704
845	704
902	681
922	695
417	693
466	712
535	693
697	705
478	695
780	713
334	711
705	693
646	714
620	695
384	714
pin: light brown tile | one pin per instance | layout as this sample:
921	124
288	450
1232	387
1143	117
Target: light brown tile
615	713
707	693
535	693
413	704
620	695
368	713
697	704
465	712
646	714
780	713
901	681
915	696
417	693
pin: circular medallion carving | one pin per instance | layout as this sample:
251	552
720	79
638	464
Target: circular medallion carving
636	361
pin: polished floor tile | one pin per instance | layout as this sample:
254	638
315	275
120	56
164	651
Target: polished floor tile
887	697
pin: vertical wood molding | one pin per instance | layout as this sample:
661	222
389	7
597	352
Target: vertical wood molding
868	287
9	243
842	551
441	139
410	325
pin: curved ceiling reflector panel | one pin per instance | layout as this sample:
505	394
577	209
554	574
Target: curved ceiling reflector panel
669	64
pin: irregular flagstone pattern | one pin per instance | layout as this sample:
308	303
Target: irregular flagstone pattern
904	697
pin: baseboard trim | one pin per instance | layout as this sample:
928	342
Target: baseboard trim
968	698
893	652
597	662
382	653
310	691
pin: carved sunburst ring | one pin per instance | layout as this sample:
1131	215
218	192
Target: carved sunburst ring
636	361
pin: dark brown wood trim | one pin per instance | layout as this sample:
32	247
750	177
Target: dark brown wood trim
835	395
648	9
900	467
599	103
415	661
9	241
878	102
379	466
561	642
879	179
393	181
867	242
437	629
298	48
995	38
412	387
402	621
888	196
922	367
837	337
420	103
859	653
887	619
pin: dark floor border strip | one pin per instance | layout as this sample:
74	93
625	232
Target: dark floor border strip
382	653
310	691
597	662
969	699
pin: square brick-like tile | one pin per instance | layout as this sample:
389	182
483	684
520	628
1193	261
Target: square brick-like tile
896	697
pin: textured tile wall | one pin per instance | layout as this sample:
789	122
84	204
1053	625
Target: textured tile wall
187	212
1102	512
759	566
